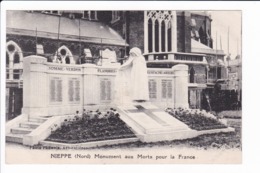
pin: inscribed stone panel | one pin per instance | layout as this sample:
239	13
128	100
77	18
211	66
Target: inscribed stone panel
55	89
152	89
74	90
166	89
105	89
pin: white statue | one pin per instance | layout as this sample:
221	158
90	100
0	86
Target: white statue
131	83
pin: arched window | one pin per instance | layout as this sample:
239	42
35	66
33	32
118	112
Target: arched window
150	35
64	56
156	30
16	58
67	60
13	53
7	60
163	36
192	75
169	30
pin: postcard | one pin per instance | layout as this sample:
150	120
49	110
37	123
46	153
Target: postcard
122	86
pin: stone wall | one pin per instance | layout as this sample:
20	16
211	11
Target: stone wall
60	89
183	32
136	29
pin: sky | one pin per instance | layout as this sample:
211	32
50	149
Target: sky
221	21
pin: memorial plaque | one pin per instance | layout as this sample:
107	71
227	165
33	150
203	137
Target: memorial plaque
166	89
74	90
59	90
108	93
77	90
52	90
169	88
55	89
71	91
105	89
152	89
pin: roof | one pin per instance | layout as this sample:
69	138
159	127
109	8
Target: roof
47	25
197	47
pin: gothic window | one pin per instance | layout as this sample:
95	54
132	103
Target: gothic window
14	55
156	30
169	37
159	31
16	58
7	66
7	60
163	36
67	60
64	56
150	35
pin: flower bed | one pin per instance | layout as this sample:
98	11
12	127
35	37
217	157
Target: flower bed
92	126
231	114
196	119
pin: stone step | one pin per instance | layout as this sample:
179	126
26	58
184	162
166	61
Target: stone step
20	130
32	125
37	119
16	138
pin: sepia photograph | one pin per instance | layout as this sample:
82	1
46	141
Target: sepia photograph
128	87
132	87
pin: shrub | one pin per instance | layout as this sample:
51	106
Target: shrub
196	119
94	126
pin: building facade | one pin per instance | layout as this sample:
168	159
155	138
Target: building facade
67	37
166	38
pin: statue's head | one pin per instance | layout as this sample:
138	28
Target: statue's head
135	52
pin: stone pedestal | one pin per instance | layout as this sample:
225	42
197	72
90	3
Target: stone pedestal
180	86
34	86
91	85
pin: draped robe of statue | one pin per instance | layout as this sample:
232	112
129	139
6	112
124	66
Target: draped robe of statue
131	83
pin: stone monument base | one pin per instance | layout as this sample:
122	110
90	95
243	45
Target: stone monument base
152	124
